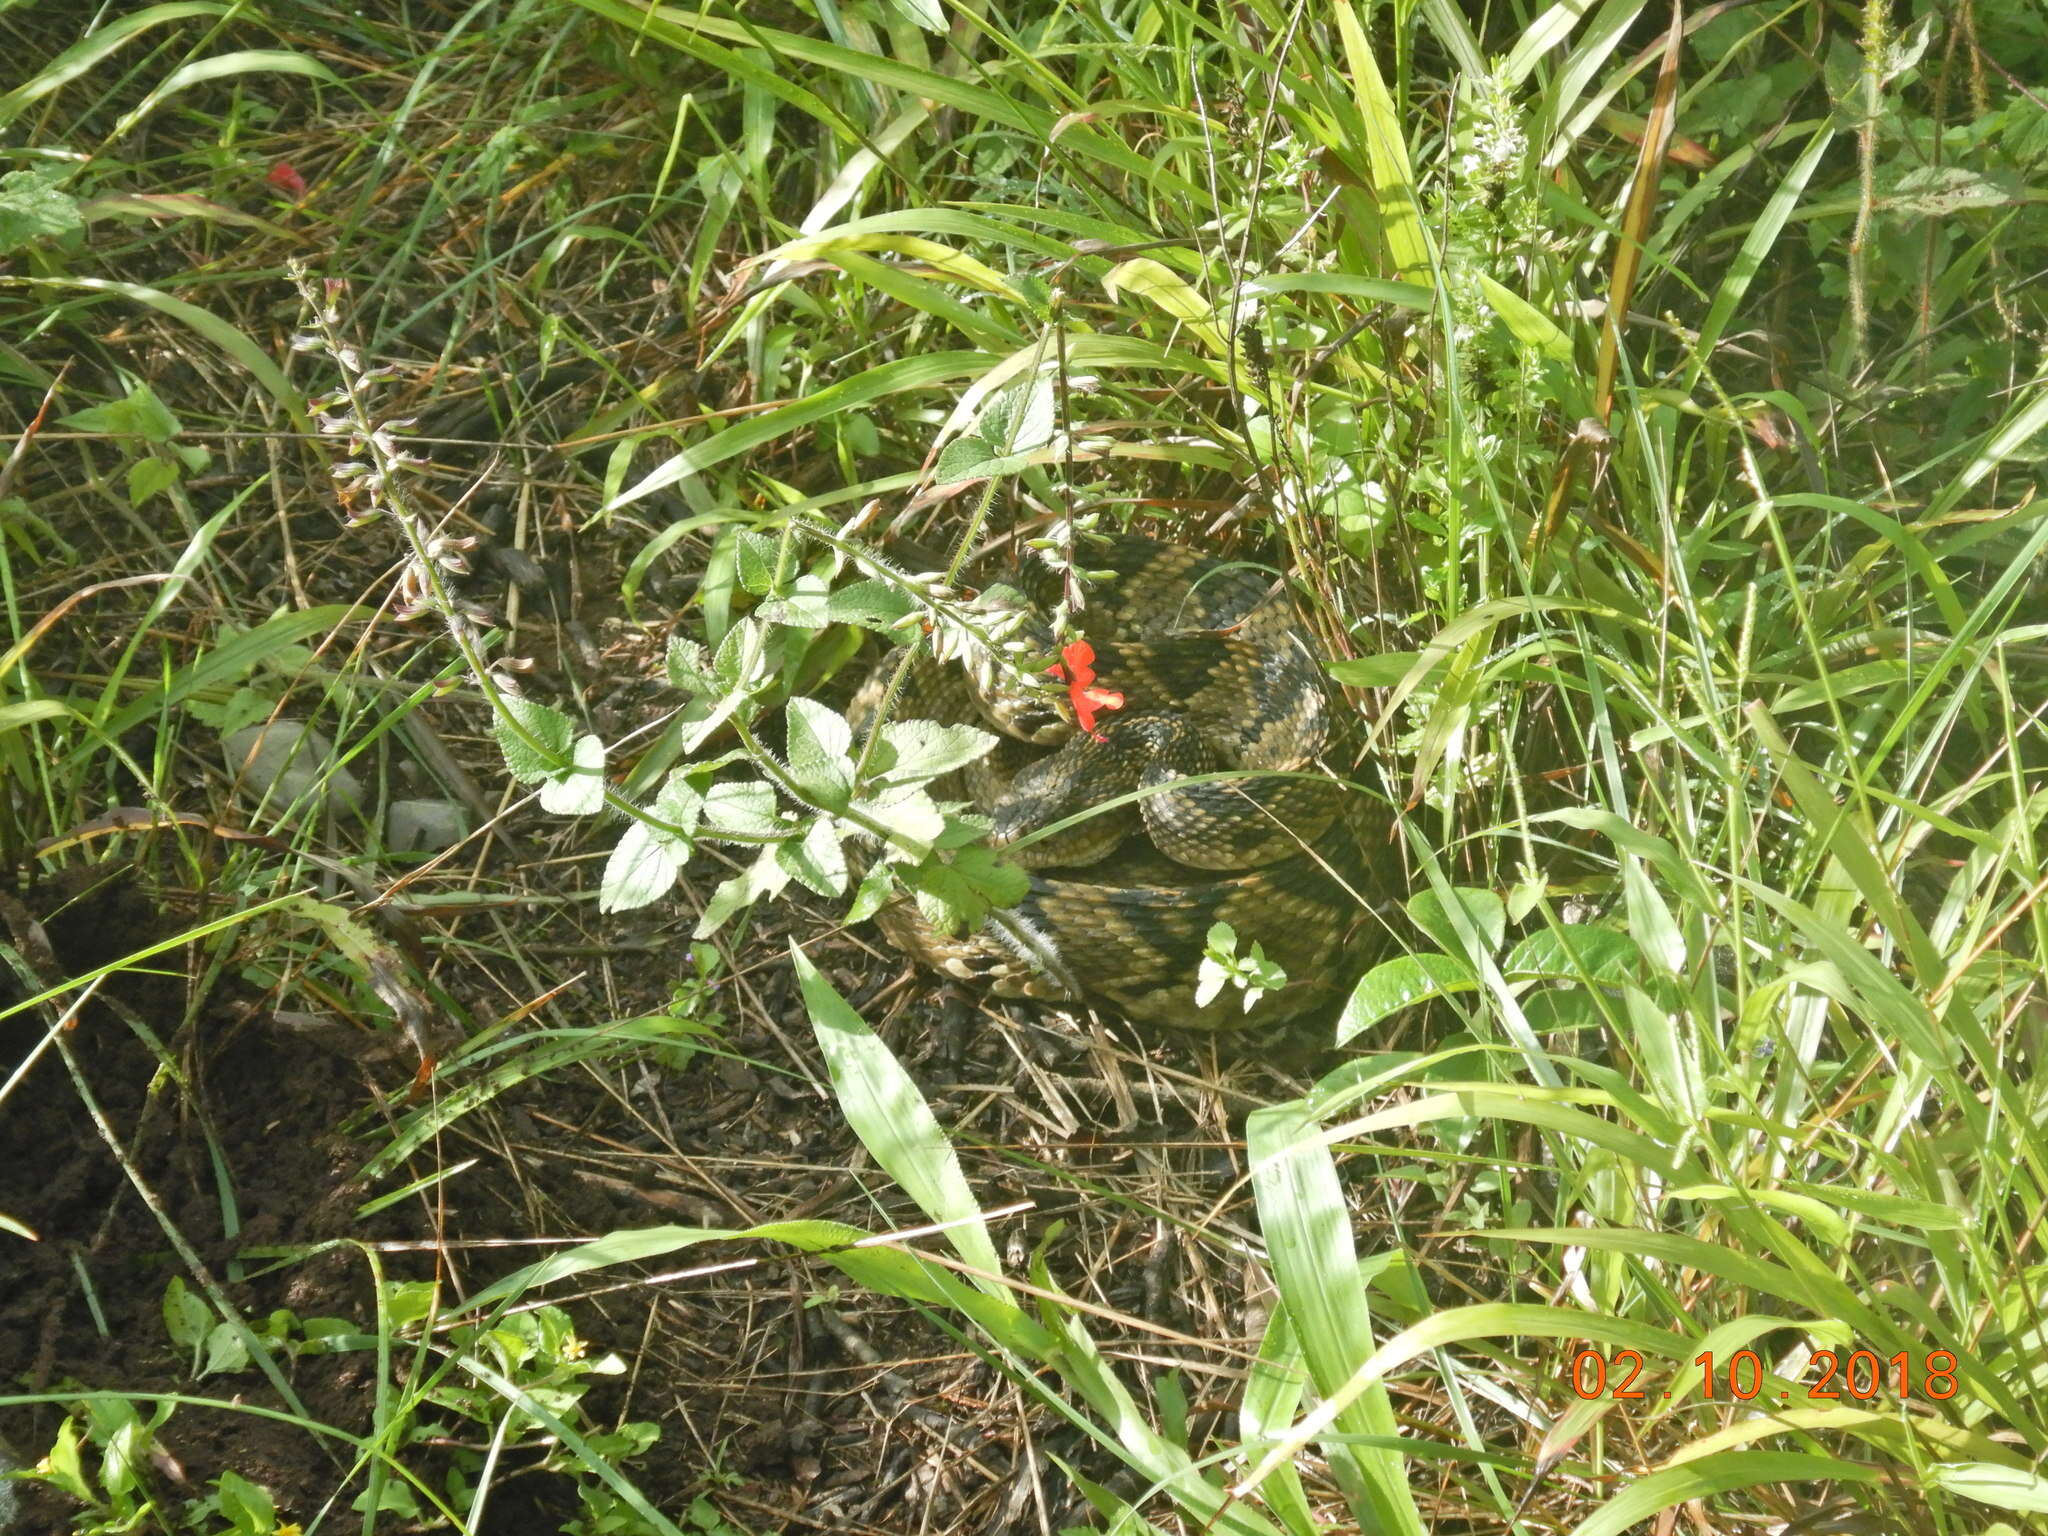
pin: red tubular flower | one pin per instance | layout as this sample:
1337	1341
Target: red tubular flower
1078	673
287	180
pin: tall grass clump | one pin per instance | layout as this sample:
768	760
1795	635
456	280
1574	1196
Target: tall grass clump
1615	385
1649	410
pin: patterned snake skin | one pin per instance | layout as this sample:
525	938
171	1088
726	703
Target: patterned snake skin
1216	675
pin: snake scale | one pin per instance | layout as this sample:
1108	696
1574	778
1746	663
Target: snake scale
1216	675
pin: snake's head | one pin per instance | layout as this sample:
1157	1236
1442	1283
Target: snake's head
1033	716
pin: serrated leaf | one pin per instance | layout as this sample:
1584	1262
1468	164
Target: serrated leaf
973	457
869	604
555	732
1019	417
923	749
1939	191
816	859
747	808
688	667
807	605
962	828
876	887
909	815
765	877
739	668
820	752
741	660
647	860
577	790
957	895
754	557
1010	427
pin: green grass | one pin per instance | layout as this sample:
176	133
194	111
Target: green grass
1652	433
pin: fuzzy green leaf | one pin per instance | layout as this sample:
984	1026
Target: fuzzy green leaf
746	809
916	750
816	859
648	858
957	894
820	752
554	731
765	877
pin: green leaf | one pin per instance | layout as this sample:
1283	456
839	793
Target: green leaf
247	1505
916	750
868	604
579	789
1575	952
1528	324
895	1124
647	859
765	877
911	817
187	1318
942	259
816	859
229	337
746	808
554	731
754	560
1307	1226
221	66
64	1467
973	457
1378	671
571	788
1165	288
81	57
1401	982
32	209
820	752
876	887
924	372
1393	181
1988	1483
227	1351
139	414
1673	1486
150	477
1480	909
957	894
689	668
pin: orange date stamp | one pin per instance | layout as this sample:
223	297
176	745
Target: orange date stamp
1856	1376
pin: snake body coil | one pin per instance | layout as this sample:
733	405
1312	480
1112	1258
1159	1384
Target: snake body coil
1216	677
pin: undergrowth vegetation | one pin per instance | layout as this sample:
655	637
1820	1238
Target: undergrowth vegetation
463	461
